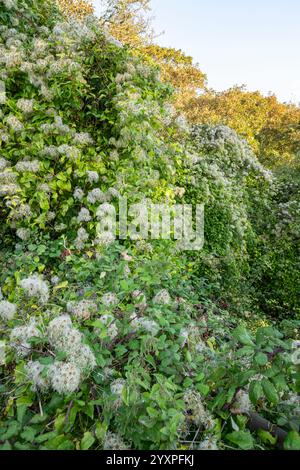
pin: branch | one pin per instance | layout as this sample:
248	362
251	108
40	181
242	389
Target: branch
256	422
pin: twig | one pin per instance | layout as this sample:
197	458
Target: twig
41	408
68	412
194	440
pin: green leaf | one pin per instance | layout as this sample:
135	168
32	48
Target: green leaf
61	356
66	445
21	411
54	443
6	446
150	360
270	391
235	427
101	429
62	285
87	441
41	249
280	382
25	400
45	437
242	439
12	430
152	412
200	377
266	437
292	442
264	334
89	410
43	201
203	389
188	356
28	434
36	419
255	391
261	359
59	422
243	336
125	396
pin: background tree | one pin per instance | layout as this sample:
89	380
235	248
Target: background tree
128	21
271	128
79	8
179	70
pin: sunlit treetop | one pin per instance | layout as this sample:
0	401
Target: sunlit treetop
78	8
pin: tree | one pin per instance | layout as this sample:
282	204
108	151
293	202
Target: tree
128	21
179	70
78	8
272	128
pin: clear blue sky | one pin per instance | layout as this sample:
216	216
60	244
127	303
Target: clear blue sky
251	42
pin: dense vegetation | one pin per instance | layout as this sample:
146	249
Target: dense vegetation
111	344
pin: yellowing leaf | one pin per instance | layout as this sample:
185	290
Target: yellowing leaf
62	285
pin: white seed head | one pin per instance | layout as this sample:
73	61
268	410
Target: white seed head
64	377
113	442
7	310
34	370
2	352
163	298
109	299
34	286
117	386
19	337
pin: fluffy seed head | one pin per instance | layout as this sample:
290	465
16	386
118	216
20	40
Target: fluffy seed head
64	377
7	310
34	286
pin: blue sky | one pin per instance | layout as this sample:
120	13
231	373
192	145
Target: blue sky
249	42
